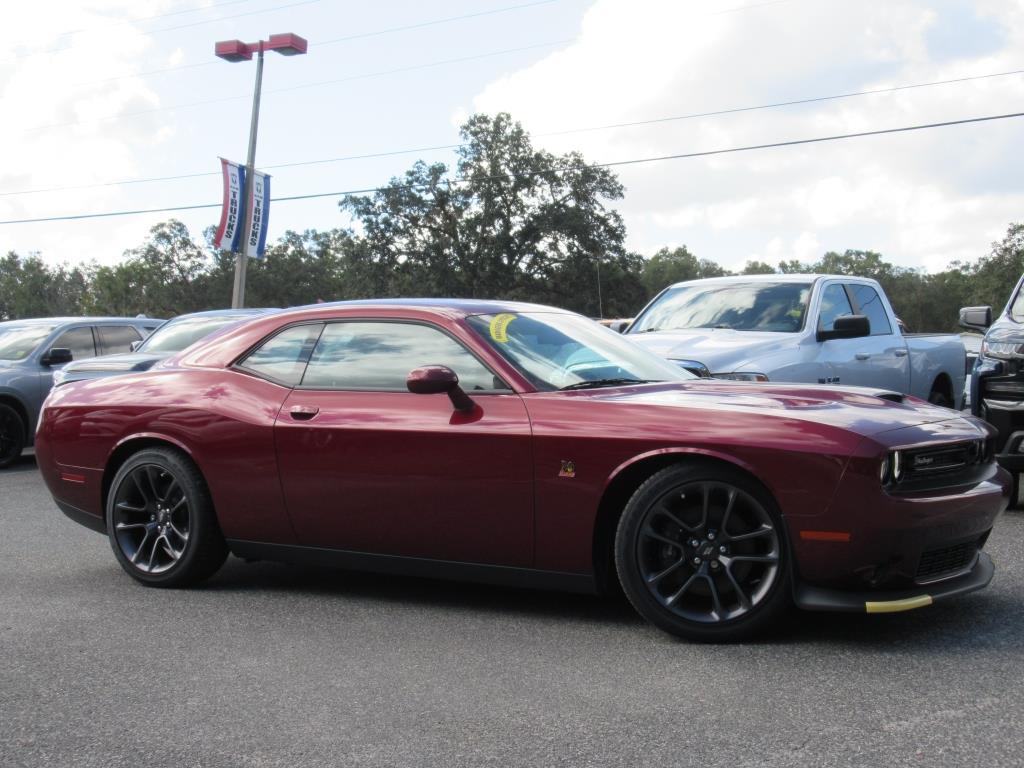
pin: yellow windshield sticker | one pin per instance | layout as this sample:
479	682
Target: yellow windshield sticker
499	326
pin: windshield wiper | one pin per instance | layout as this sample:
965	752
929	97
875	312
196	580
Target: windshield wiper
596	383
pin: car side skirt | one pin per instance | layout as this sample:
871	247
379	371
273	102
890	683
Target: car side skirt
415	566
82	517
812	598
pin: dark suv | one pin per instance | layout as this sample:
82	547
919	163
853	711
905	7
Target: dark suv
30	351
997	382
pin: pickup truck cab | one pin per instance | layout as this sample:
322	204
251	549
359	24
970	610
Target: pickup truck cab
997	381
818	329
32	350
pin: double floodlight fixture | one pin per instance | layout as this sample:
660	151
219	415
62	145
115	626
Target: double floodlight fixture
286	44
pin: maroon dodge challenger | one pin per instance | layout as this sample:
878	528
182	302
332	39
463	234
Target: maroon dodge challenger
520	444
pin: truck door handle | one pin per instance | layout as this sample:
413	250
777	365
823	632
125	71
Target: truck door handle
862	355
901	353
303	412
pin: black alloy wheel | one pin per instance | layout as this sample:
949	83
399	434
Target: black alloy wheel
12	436
161	522
701	553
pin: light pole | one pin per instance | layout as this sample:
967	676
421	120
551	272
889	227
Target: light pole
234	51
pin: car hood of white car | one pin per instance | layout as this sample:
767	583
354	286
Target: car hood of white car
722	350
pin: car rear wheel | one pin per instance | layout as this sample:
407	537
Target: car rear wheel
701	553
12	436
161	522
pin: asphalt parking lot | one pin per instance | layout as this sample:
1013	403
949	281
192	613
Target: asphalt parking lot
274	665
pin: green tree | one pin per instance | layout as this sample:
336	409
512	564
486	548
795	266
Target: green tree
666	267
755	267
515	222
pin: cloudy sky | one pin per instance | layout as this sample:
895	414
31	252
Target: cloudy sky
94	93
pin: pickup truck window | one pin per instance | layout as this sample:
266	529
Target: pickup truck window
870	304
79	341
1017	308
117	338
753	306
834	303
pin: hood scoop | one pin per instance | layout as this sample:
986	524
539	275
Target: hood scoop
893	397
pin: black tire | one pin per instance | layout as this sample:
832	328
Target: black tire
161	522
12	435
938	396
741	584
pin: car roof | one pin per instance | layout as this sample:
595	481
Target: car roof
801	277
242	312
55	321
450	307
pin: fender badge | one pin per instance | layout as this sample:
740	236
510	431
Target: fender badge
568	468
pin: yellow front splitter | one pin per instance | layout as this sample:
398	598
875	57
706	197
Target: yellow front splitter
895	606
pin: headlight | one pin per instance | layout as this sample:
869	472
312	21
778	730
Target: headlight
741	376
1002	350
883	470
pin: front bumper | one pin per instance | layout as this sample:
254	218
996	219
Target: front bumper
893	601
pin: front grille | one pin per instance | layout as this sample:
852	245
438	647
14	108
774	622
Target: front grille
936	564
940	466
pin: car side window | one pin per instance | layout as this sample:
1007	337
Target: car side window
117	338
283	356
367	355
79	341
834	303
870	304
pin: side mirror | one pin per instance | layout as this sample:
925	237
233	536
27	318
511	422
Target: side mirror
437	379
57	356
978	318
620	326
847	327
135	345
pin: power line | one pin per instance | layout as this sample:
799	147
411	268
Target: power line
607	126
315	44
140	19
222	99
613	164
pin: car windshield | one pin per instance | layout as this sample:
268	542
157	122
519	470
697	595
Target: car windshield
175	335
753	306
561	351
19	341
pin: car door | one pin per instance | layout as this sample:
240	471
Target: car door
367	466
882	357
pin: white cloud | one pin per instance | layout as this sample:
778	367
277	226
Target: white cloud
922	198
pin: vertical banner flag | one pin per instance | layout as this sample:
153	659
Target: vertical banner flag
259	199
229	231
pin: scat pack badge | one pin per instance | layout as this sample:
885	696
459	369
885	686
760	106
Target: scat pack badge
568	468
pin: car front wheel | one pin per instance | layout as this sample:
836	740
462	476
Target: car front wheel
701	553
161	522
12	436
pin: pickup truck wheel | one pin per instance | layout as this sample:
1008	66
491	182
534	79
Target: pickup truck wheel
12	436
939	396
701	553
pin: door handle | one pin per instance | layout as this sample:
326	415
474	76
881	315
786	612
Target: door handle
901	353
862	355
303	412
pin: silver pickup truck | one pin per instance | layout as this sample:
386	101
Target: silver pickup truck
819	329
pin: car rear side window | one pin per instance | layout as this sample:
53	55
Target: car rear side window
366	355
834	304
79	341
283	357
117	338
870	304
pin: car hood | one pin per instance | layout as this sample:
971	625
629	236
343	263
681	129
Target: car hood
720	349
123	363
862	410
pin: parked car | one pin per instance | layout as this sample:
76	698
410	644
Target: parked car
32	350
824	329
521	444
997	383
171	337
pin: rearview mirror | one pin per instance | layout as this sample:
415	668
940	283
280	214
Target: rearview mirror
847	327
435	379
978	318
57	356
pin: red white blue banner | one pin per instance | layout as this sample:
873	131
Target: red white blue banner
229	231
259	199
